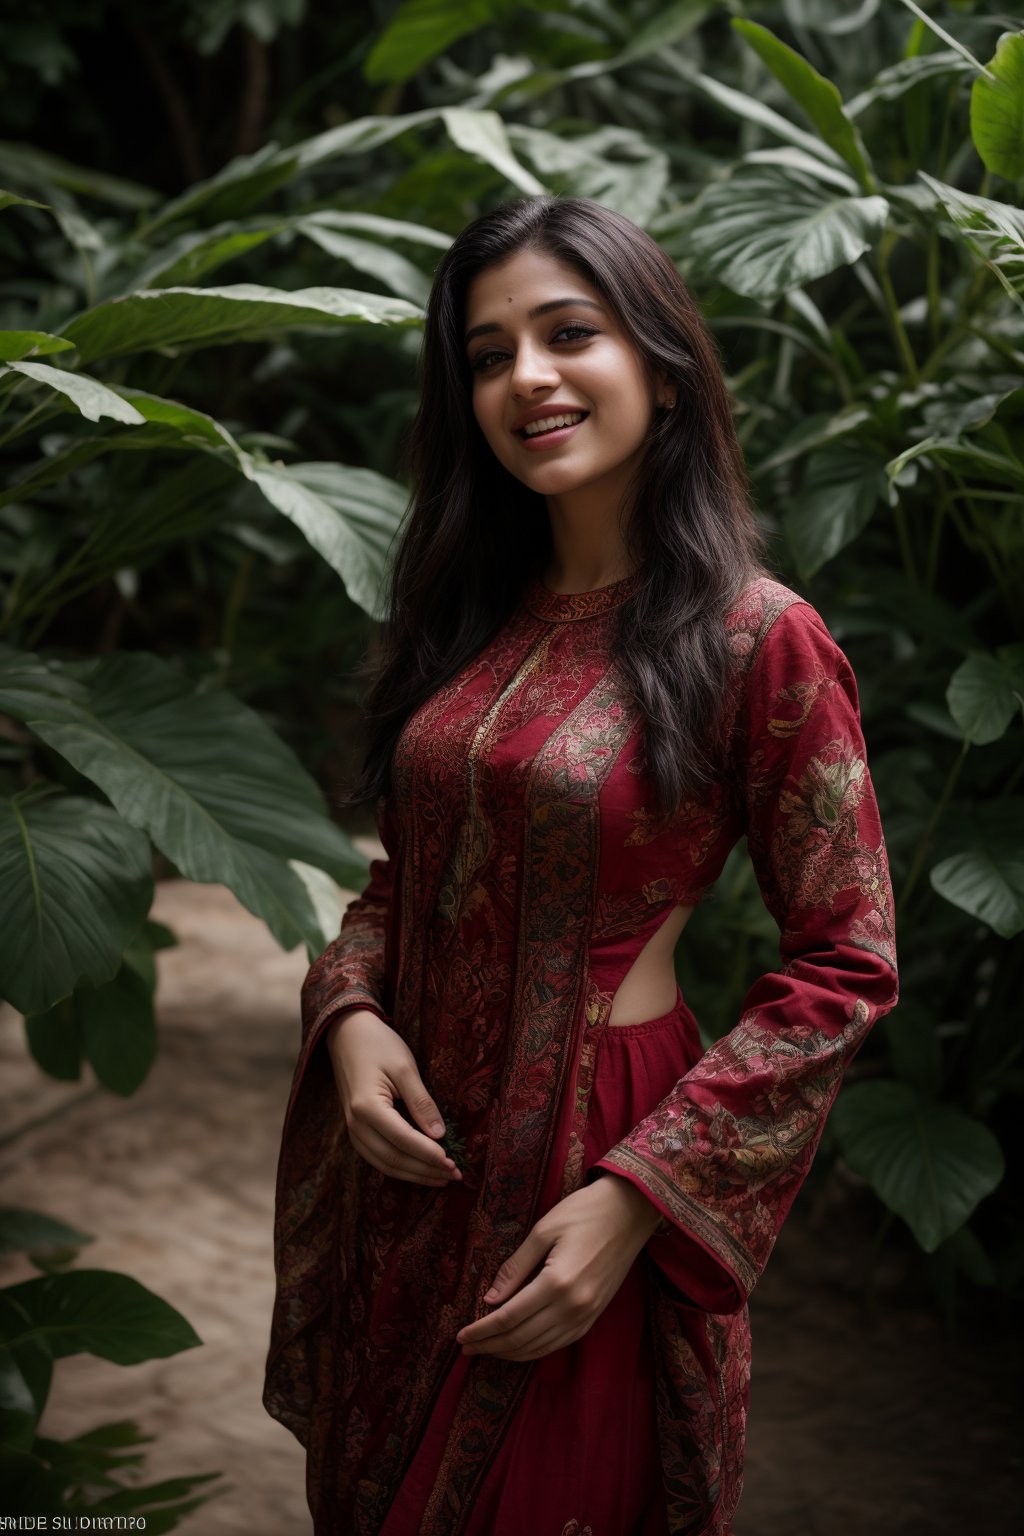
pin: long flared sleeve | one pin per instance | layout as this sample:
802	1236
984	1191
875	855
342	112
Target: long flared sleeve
350	972
311	1178
724	1154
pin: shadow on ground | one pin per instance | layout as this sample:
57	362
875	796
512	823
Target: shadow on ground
863	1423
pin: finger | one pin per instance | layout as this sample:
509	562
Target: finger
387	1123
418	1101
532	1299
518	1268
386	1158
522	1337
546	1344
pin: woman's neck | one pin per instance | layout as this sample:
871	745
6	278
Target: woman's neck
588	549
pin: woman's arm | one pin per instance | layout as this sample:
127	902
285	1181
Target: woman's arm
350	972
723	1155
345	1004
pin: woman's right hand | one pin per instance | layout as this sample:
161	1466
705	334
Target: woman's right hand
373	1067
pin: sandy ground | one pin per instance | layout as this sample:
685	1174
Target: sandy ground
863	1423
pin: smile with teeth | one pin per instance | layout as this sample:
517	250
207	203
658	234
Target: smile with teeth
551	423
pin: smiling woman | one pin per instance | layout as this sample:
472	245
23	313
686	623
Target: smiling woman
565	406
520	1209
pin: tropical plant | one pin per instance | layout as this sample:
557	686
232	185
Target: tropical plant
64	1312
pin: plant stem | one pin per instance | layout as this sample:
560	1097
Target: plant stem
1014	779
921	852
903	535
935	542
893	310
57	1112
27	420
43	593
932	279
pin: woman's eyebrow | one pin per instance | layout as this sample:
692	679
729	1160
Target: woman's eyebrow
532	314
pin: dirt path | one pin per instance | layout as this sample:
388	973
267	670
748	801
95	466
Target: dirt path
860	1426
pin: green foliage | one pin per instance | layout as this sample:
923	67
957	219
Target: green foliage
818	97
929	1162
997	109
66	1312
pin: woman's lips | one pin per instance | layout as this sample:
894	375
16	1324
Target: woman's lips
556	435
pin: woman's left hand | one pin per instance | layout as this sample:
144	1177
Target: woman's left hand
587	1244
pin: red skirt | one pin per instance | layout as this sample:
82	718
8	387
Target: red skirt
581	1455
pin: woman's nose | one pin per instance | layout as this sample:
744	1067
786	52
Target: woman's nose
533	368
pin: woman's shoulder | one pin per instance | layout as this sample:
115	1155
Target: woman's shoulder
768	612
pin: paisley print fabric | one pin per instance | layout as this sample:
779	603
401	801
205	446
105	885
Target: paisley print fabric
526	869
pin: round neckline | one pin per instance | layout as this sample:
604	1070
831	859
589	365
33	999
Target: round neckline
565	607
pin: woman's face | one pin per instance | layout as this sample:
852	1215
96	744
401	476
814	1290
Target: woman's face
541	343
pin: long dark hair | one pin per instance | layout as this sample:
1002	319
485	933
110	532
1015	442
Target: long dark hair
474	533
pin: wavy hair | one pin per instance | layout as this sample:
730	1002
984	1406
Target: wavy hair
474	534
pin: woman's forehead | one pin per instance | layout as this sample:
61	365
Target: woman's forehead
524	277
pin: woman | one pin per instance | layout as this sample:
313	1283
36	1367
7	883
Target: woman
520	1209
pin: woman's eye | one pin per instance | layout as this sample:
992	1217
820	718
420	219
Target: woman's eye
484	360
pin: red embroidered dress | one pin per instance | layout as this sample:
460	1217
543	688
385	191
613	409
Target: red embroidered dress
526	870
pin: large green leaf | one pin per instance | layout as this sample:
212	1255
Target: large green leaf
75	886
25	1231
997	109
986	876
54	1040
764	230
394	270
87	395
17	1406
197	252
746	105
192	255
231	191
118	1030
421	29
482	133
985	692
195	317
163	1505
928	1161
994	230
377	226
34	167
616	166
249	179
516	79
164	424
842	485
818	97
970	454
98	1312
348	515
18	344
30	1487
12	200
218	792
359	136
896	79
184	421
815	431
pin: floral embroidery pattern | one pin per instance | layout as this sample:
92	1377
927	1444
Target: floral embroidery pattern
524	876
